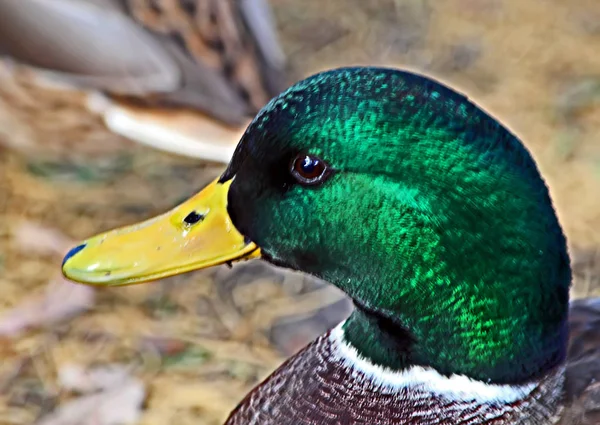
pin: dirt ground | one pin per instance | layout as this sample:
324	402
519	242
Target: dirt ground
197	343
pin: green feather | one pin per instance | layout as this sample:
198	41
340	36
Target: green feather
436	221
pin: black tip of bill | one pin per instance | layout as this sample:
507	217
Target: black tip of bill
72	252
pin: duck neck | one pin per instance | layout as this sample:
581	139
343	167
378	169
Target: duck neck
379	339
398	345
424	388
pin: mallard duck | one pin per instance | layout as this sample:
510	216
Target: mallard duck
149	59
431	215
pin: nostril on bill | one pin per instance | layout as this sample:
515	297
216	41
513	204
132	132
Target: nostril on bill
193	218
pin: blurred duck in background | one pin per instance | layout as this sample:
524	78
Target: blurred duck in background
184	76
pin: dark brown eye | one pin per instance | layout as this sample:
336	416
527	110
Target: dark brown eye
308	169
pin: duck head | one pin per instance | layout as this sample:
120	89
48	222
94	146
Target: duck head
425	210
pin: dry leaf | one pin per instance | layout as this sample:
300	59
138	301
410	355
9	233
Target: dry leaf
119	405
74	377
119	401
60	301
164	346
33	238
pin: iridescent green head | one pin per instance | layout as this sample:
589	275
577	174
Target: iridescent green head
430	214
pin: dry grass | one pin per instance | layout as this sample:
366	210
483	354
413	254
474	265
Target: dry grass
200	341
203	345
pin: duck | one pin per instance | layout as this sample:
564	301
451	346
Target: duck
431	215
182	76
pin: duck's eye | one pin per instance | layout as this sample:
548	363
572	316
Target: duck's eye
193	218
308	169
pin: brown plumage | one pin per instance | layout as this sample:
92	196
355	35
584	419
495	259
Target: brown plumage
313	388
219	56
582	385
215	58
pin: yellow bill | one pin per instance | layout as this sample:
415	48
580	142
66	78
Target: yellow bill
194	235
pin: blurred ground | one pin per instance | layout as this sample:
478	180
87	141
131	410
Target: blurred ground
199	342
